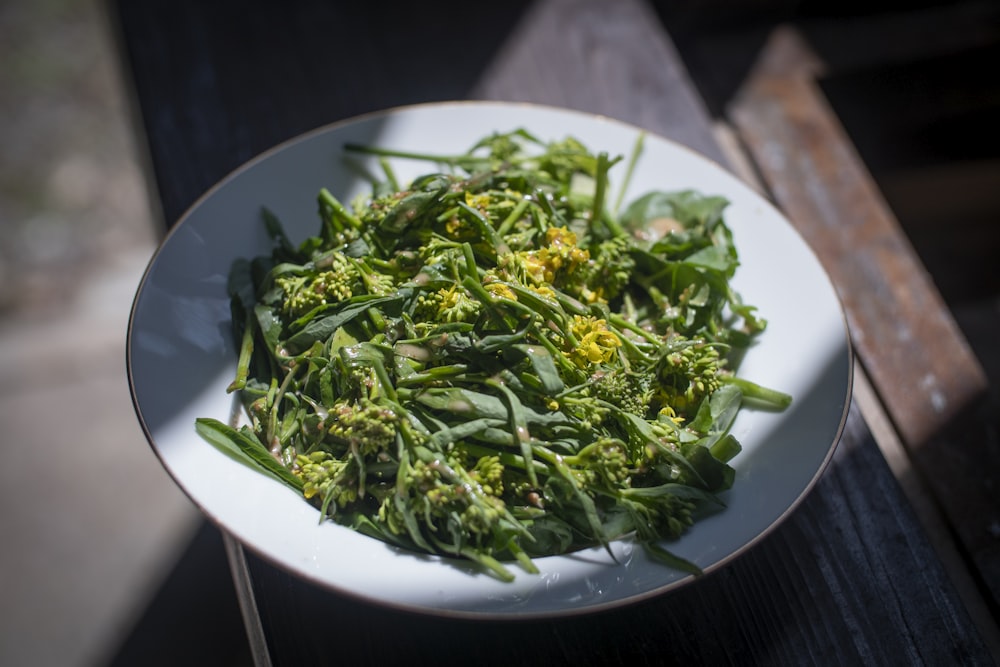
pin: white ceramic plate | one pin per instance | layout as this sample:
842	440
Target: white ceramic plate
181	357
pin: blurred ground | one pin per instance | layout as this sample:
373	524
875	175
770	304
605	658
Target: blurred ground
90	522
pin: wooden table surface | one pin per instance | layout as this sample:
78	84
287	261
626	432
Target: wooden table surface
849	578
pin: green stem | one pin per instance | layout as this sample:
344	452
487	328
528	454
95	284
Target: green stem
471	266
726	448
600	186
433	375
623	323
276	397
337	210
246	353
629	170
390	175
600	190
756	393
514	216
508	459
464	161
486	229
518	426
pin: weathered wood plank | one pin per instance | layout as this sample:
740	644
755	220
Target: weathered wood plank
919	361
611	59
934	501
915	354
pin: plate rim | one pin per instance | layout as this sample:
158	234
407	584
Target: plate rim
445	612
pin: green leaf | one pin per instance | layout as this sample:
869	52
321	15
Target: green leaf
448	435
240	284
341	338
270	326
641	434
717	412
713	257
412	207
658	553
551	535
470	404
541	362
277	233
688	207
682	491
713	474
323	327
244	447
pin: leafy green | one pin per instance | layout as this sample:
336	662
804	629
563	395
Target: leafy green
492	365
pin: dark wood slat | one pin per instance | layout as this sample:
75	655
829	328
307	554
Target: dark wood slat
220	82
848	579
214	93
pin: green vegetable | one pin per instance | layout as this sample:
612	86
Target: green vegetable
490	364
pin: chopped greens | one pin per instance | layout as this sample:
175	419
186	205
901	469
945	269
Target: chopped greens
491	363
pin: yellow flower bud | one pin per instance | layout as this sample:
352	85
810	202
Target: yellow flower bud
480	201
501	290
596	343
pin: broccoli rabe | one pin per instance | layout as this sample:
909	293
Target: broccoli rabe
305	292
327	478
488	363
688	371
364	427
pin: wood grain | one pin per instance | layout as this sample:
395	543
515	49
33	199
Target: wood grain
915	354
772	606
848	578
919	361
611	59
215	104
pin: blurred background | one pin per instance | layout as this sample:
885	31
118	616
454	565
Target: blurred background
91	524
100	549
